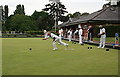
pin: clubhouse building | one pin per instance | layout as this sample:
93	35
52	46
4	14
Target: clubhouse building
108	15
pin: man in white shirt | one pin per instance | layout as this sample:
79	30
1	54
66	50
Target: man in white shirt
60	33
75	32
55	39
45	33
70	35
80	34
103	37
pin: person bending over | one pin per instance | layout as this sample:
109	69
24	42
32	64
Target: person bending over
56	39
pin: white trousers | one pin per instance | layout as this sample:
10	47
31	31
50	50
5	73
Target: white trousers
54	44
60	38
102	40
70	38
80	39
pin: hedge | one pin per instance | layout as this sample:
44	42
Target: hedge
34	32
110	30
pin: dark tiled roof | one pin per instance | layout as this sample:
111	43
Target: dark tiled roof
110	14
87	17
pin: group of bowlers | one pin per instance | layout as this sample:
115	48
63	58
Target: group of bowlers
79	30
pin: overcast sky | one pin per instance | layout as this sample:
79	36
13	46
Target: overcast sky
71	5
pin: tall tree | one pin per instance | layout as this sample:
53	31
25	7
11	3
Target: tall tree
19	9
56	10
76	14
23	9
85	13
8	22
43	20
35	15
66	18
6	11
21	23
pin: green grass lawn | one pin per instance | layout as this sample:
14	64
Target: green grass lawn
108	39
42	60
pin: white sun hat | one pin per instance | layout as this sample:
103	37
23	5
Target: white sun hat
79	26
100	26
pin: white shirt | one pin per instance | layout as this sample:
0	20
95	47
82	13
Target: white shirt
60	32
80	31
102	30
75	31
70	33
53	35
